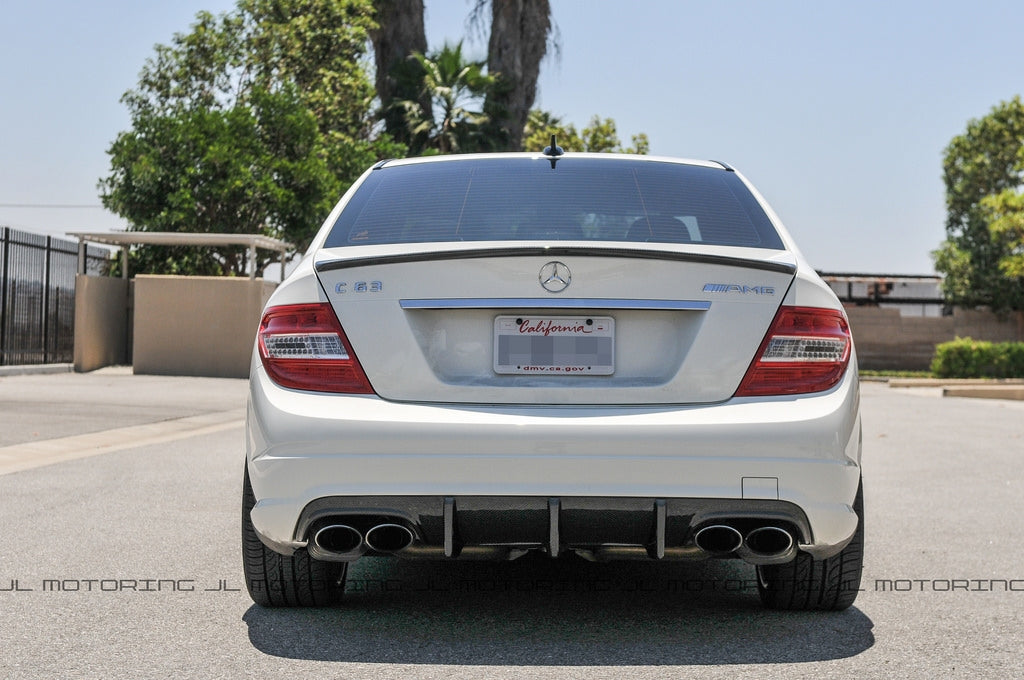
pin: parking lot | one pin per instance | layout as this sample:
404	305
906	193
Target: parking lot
120	558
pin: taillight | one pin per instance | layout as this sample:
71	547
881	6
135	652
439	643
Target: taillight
807	349
303	347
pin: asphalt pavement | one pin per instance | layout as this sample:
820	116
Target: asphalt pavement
123	561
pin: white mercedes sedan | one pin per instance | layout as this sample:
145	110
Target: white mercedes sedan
620	357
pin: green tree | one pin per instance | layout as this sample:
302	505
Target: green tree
253	168
456	87
1005	215
983	170
600	136
321	47
253	122
540	125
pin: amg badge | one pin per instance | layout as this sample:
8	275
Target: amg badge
734	288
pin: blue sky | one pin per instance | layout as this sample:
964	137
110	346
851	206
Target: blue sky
839	112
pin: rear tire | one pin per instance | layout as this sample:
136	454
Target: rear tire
276	580
807	584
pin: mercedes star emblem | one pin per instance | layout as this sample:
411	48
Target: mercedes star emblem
555	277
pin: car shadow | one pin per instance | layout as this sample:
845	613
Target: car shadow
566	612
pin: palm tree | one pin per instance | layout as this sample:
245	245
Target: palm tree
521	32
399	33
455	87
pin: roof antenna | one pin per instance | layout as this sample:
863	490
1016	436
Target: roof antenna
553	152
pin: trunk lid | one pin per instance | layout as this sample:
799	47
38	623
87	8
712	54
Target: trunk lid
676	325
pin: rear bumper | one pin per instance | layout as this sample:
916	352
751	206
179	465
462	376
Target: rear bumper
309	453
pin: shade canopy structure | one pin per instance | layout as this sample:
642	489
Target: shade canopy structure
125	239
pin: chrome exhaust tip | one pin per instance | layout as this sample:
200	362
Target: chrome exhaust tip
768	545
769	540
389	538
718	539
337	542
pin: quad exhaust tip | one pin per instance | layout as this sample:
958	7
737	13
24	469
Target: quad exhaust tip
769	541
718	539
338	540
763	545
345	543
389	538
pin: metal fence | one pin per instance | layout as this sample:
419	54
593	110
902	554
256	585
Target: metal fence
37	296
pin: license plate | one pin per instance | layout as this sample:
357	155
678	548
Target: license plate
545	345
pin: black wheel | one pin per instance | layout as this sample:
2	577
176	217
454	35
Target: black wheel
276	580
807	584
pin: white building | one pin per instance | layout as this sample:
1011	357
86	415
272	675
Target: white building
912	295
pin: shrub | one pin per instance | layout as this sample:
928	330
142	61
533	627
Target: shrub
967	358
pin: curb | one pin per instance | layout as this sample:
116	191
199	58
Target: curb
1015	392
39	369
954	382
970	388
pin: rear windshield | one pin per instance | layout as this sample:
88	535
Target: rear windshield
502	199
